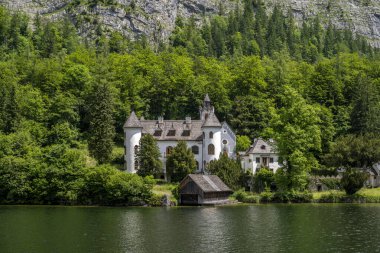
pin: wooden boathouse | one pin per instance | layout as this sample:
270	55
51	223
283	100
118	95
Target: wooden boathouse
197	189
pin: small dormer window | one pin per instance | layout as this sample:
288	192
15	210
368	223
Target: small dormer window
171	132
263	147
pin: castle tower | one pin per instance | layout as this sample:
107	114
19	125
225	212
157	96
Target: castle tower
132	134
206	109
212	133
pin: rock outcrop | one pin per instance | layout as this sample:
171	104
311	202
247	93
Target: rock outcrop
156	18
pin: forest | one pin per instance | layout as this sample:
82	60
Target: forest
64	99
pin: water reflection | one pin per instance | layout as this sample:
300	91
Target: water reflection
256	228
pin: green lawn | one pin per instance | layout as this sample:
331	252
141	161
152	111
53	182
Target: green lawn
165	189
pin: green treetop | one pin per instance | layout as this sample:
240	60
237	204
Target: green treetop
149	157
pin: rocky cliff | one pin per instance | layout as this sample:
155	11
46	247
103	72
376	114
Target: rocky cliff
156	18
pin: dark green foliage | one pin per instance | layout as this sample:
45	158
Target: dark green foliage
180	162
354	151
304	86
101	131
353	180
263	180
229	170
148	157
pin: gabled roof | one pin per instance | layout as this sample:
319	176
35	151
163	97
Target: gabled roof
132	121
207	98
261	147
208	183
212	121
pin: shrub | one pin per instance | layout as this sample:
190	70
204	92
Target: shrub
331	197
155	200
353	180
266	196
331	183
263	179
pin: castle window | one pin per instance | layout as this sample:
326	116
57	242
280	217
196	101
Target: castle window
270	159
211	149
195	150
169	150
171	133
263	147
211	135
257	159
186	133
157	132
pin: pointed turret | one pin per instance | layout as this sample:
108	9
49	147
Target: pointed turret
207	108
132	121
212	121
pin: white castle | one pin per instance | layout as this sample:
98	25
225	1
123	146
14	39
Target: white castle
206	137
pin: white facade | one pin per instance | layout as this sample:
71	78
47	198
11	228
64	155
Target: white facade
132	140
260	155
207	137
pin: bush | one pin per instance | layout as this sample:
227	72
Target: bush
331	183
331	197
155	200
263	179
266	196
293	197
353	180
245	197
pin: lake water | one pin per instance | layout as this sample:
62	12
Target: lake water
251	228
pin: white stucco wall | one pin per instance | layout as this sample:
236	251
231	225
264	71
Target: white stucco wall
162	145
216	141
132	138
249	162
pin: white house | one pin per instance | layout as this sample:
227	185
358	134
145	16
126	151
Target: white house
260	154
206	137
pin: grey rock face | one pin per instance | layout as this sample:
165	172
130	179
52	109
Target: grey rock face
156	18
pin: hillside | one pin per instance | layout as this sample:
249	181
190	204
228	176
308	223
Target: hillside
156	19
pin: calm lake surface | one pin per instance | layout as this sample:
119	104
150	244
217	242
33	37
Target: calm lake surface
254	228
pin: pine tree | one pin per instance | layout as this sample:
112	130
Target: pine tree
229	170
148	157
10	113
102	129
365	116
180	162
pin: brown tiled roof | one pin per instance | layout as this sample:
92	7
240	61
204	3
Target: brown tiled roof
212	121
209	183
132	121
261	147
173	130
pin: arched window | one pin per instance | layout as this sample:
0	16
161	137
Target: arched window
169	150
211	135
211	149
195	150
